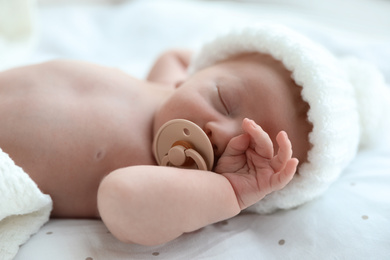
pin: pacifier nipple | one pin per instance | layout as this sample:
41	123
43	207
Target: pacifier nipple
177	154
183	144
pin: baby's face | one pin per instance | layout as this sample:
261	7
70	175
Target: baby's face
251	86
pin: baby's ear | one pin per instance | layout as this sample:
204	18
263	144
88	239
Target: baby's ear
179	83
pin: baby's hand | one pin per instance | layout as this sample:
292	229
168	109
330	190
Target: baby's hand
252	168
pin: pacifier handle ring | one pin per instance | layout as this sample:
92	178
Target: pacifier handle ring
194	155
188	153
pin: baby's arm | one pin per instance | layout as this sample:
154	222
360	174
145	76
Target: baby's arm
171	67
152	205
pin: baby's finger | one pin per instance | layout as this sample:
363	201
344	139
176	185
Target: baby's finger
262	143
284	153
237	145
281	179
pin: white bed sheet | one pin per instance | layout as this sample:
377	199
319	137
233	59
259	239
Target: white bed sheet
350	221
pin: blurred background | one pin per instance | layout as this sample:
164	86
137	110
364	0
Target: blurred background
114	31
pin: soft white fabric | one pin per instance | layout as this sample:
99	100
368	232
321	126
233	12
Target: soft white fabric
347	102
23	207
373	96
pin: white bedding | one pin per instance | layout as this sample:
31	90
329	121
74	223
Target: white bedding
350	221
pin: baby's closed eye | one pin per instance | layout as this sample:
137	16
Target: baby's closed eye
223	102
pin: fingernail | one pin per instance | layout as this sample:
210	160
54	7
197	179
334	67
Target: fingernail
251	122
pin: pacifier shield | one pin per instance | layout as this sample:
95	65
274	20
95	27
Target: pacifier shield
181	131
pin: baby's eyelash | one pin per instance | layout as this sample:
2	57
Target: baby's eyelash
222	101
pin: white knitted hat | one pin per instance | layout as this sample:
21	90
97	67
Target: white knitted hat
348	100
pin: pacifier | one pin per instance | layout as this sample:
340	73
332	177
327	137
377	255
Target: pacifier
181	143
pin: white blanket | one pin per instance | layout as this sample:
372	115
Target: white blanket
23	207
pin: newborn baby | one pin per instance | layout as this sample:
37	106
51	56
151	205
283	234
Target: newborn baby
84	134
